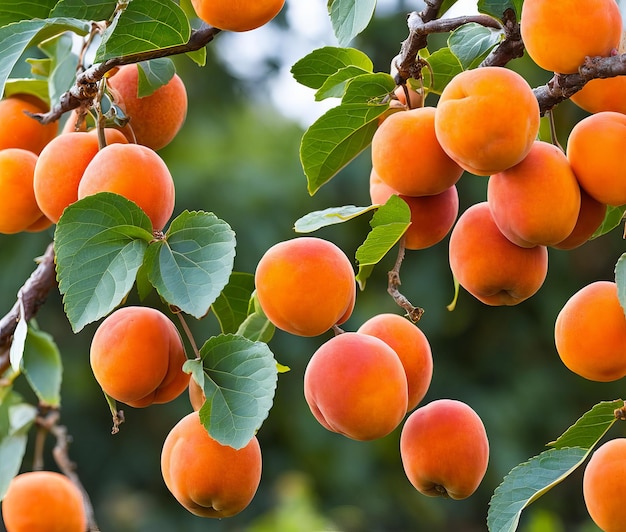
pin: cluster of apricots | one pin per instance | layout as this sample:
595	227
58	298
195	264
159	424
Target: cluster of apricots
38	179
364	384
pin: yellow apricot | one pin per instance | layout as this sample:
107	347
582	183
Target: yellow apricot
477	125
305	285
18	130
590	333
602	95
237	15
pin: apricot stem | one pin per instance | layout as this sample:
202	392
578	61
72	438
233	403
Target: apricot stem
188	333
553	136
413	313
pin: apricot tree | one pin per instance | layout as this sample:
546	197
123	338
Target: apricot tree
440	113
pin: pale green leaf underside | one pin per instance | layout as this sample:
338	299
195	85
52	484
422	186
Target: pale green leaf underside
43	367
620	279
350	17
333	215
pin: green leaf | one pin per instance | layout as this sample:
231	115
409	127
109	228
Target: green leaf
16	418
62	63
445	66
231	306
496	8
36	87
16	351
334	215
191	267
144	26
620	280
369	89
335	139
43	367
256	326
16	37
530	480
239	379
85	9
16	10
350	17
100	242
335	85
388	225
154	74
471	43
316	67
613	218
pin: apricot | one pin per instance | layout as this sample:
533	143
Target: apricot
444	449
18	207
604	482
590	217
556	32
477	125
596	150
537	201
58	175
43	501
407	156
137	357
590	333
432	217
237	15
207	478
135	172
356	385
20	130
305	285
154	119
411	346
491	267
41	224
602	95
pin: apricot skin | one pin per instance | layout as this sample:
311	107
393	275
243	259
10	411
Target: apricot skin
604	482
407	156
57	176
355	385
305	285
602	95
137	357
556	32
43	500
237	15
590	217
596	150
478	127
207	478
537	201
590	333
432	217
135	172
154	119
444	449
18	207
411	346
488	265
20	130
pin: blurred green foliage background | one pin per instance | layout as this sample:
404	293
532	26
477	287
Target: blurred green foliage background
237	156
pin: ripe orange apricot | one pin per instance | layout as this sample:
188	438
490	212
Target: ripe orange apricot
478	127
355	385
411	345
18	207
432	217
604	480
537	201
596	150
135	172
237	15
488	265
58	175
556	32
407	156
590	333
444	449
43	500
154	119
305	285
20	130
207	478
602	95
137	357
590	217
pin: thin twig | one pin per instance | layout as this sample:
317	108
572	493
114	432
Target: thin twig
413	313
